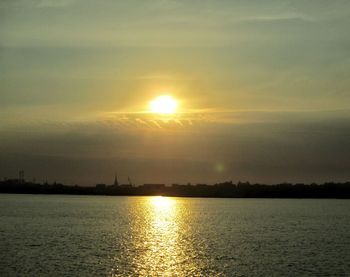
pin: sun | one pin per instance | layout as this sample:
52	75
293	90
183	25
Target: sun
163	104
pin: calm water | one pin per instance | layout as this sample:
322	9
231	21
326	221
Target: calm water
155	236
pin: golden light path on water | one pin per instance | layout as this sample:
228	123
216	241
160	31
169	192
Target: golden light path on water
160	241
161	238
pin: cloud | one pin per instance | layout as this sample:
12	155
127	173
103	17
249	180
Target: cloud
265	147
55	3
277	18
36	3
149	120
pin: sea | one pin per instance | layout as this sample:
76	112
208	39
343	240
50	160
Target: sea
62	235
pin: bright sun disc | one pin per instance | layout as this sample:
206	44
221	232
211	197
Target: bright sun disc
163	105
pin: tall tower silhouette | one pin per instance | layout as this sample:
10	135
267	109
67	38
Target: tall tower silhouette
21	176
116	183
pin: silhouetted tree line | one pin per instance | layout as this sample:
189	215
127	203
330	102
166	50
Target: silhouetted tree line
226	189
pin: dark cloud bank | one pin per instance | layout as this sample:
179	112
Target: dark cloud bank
255	146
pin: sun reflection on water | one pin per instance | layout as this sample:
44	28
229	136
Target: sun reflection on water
159	237
159	242
161	203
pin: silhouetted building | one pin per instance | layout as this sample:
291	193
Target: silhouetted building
21	176
116	183
226	189
100	186
154	186
129	180
126	186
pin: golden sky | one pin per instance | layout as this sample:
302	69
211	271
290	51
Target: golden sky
249	77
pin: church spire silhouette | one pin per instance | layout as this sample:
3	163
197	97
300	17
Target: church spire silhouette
116	183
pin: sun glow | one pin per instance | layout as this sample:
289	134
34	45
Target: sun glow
163	104
161	202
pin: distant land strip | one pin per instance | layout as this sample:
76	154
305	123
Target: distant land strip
219	190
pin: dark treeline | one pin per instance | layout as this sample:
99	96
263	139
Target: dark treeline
226	189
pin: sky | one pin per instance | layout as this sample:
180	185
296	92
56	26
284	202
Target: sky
262	89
